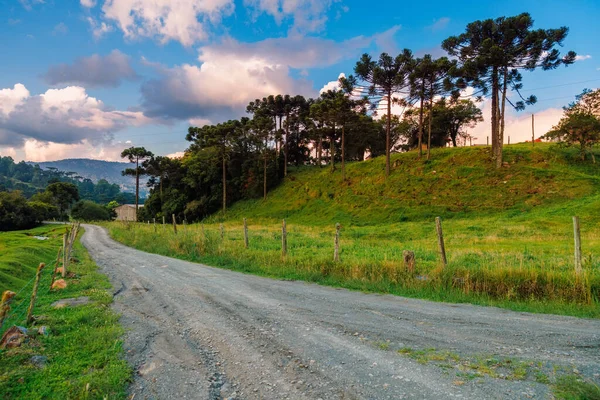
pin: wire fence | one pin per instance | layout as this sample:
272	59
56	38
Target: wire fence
17	312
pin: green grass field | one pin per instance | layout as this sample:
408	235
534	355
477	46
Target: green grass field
508	233
83	346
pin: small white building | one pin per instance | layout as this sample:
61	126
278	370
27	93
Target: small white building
126	212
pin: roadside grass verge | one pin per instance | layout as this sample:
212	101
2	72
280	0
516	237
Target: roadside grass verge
575	388
83	347
520	263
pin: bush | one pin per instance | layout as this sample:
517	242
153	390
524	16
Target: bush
44	211
86	210
15	212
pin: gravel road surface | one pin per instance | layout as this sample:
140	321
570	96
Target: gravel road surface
199	332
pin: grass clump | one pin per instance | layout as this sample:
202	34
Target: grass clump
83	347
571	387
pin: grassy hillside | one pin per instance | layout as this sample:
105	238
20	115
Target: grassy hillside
456	182
83	350
21	252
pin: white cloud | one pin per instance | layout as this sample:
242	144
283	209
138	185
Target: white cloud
88	3
98	28
49	151
232	73
199	122
67	115
9	152
439	24
332	85
178	154
308	15
28	4
11	98
185	21
582	57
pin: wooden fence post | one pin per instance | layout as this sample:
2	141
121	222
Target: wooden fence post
64	269
222	231
245	233
7	298
56	264
577	235
174	224
336	242
440	235
34	293
283	239
154	221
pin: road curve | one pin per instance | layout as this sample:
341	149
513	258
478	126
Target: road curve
199	332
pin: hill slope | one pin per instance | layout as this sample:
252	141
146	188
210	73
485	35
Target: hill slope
96	170
456	182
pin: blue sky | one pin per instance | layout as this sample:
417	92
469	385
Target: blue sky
84	78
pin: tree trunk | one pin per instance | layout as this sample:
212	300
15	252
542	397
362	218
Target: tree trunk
224	184
265	177
501	122
137	186
388	133
495	116
285	151
343	153
421	120
320	151
430	122
332	149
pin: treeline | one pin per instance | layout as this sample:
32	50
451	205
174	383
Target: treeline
244	158
31	179
60	201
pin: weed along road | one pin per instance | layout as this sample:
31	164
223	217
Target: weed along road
198	332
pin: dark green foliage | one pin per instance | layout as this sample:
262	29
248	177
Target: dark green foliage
580	125
15	212
63	194
491	54
86	210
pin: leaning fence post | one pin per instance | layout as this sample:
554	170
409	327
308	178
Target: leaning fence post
577	235
7	298
34	293
283	239
245	233
440	235
56	264
64	269
336	242
174	224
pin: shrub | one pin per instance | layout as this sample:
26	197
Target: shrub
86	210
15	212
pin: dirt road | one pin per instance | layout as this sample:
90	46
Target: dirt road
198	332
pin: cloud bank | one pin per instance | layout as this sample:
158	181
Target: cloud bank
93	71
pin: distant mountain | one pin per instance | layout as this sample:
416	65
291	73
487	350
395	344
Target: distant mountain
96	170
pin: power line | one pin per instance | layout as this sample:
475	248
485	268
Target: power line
560	85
